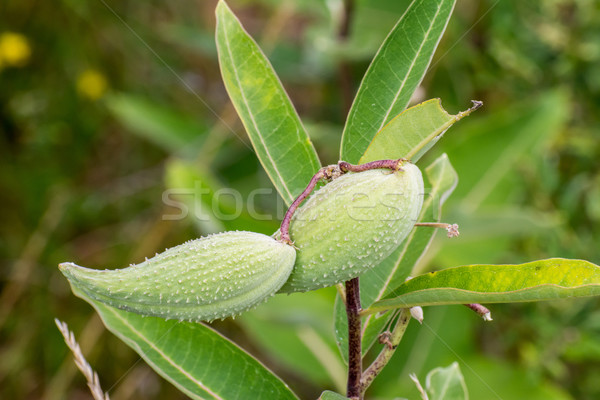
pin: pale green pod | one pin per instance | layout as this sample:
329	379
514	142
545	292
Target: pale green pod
212	277
352	224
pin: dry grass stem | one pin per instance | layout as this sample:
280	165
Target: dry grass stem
85	368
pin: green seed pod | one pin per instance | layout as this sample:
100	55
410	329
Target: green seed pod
212	277
352	224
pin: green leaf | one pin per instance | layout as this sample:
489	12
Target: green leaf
446	384
193	357
170	129
413	132
394	73
549	279
296	331
441	179
279	139
329	395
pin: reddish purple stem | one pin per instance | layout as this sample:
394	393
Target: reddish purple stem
388	164
354	339
483	311
287	219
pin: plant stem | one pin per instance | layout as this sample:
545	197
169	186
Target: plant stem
348	12
287	219
394	165
86	369
451	228
354	339
391	341
481	310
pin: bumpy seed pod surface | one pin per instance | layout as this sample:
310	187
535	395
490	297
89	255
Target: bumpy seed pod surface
212	277
351	224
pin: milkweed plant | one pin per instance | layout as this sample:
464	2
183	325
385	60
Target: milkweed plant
360	225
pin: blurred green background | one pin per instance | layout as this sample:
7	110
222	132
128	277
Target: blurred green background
113	116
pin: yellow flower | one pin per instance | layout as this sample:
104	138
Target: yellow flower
14	49
91	84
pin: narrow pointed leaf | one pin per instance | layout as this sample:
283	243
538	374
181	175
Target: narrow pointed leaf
549	279
193	357
278	137
446	384
394	73
441	179
412	133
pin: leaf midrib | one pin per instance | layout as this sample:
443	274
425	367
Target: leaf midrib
412	65
264	145
162	354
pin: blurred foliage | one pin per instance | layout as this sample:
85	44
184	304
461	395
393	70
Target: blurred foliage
105	105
